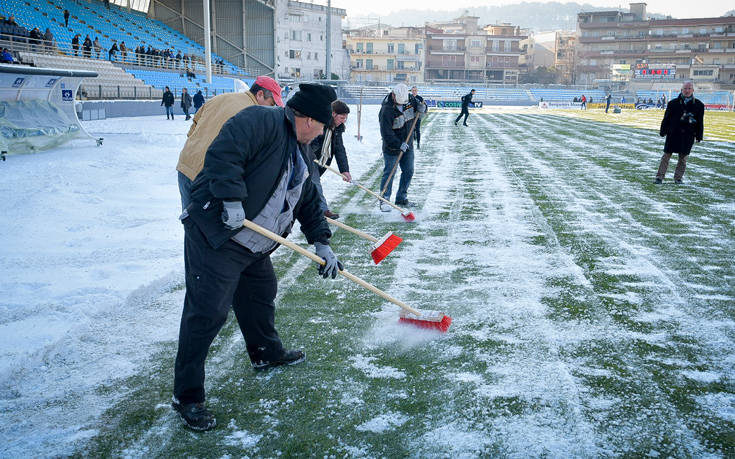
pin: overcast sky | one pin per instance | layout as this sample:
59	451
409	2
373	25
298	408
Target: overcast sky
676	8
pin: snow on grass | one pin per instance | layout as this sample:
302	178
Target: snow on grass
383	423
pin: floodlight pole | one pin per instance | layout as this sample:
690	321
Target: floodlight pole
329	41
207	42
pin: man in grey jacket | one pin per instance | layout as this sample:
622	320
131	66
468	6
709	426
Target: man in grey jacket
253	169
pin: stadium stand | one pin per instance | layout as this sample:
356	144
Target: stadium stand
113	25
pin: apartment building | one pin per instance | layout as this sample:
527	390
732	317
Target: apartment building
386	54
700	49
565	56
301	42
461	51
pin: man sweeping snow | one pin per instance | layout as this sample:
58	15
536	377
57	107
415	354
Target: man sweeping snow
254	168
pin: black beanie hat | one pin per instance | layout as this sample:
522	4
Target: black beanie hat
314	101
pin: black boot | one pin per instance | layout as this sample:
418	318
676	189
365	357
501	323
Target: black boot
195	415
291	357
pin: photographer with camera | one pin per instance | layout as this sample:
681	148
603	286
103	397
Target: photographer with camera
683	123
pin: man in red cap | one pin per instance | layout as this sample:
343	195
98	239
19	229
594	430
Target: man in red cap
209	120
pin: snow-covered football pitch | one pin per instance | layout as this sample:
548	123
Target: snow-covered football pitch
594	312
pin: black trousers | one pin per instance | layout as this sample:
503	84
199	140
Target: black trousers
417	133
216	279
466	112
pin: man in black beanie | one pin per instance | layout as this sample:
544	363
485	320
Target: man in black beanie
253	169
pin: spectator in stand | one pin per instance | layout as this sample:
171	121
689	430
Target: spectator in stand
6	57
87	47
48	40
35	38
185	102
178	59
75	44
198	100
10	21
123	51
66	18
112	51
97	47
168	101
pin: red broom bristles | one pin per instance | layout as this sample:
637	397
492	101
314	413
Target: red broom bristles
385	246
441	325
409	217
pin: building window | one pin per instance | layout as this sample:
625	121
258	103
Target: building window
496	45
308	36
390	64
316	56
475	44
296	35
417	48
401	48
369	48
308	56
449	45
369	64
294	54
401	65
359	47
358	63
391	48
507	46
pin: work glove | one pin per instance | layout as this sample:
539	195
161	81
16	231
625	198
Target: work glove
332	265
233	215
404	147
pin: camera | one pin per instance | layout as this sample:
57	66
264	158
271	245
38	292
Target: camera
688	118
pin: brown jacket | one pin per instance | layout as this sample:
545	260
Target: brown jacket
206	126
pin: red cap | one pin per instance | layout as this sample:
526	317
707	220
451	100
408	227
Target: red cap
271	85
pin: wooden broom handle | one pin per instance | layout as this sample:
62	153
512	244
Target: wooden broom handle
297	248
400	155
402	211
352	230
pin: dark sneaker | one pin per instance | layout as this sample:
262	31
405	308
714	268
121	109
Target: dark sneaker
658	181
328	213
464	124
406	203
196	416
291	357
678	182
455	123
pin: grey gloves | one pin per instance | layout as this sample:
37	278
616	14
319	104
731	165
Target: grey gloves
332	265
233	215
404	147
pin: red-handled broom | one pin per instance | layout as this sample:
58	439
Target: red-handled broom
432	320
381	247
406	214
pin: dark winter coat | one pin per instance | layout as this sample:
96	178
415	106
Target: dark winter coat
337	147
245	162
415	101
681	129
466	100
198	99
392	138
167	99
185	101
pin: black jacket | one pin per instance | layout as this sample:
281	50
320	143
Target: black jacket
167	99
245	162
337	147
681	129
466	100
392	138
198	99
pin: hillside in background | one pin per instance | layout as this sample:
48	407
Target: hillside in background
532	15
